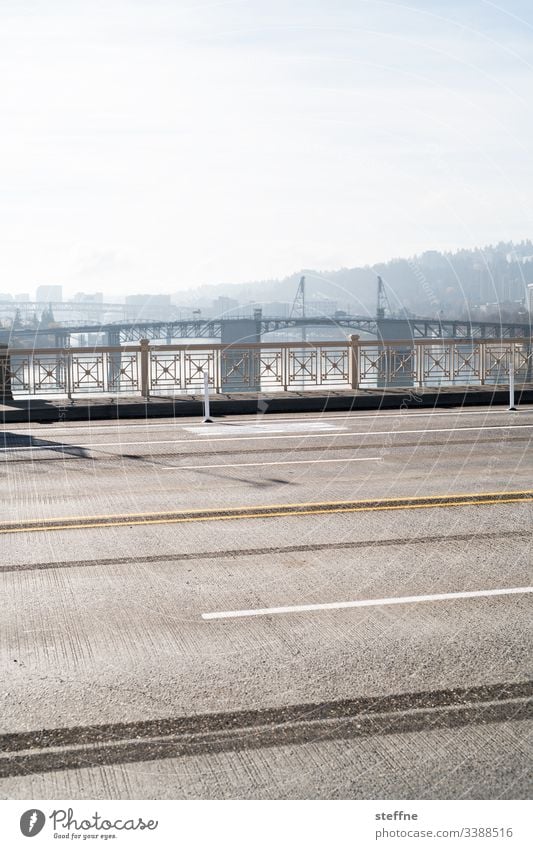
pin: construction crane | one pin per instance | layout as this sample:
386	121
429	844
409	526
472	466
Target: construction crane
298	306
383	304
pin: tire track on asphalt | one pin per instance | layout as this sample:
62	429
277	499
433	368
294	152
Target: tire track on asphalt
80	459
97	745
265	551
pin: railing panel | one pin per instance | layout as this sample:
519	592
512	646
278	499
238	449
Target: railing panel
49	374
402	367
523	362
88	373
270	369
166	371
437	363
302	367
20	373
383	365
239	369
466	362
173	369
373	365
195	365
334	365
125	377
497	362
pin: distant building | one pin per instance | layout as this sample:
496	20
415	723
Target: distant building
49	294
530	297
83	298
277	309
318	309
156	307
222	305
148	300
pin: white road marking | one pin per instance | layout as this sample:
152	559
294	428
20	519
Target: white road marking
172	422
374	602
274	427
271	463
119	444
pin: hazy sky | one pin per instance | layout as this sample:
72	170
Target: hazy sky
152	145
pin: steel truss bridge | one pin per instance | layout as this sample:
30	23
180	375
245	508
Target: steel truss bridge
421	328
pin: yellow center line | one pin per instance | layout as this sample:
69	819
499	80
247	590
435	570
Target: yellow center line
267	511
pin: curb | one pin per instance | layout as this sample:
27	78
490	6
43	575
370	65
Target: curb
40	411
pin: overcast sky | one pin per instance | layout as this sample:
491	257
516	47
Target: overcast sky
153	145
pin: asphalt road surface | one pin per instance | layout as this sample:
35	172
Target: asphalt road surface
333	606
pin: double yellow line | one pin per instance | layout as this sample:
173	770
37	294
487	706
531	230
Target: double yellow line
267	511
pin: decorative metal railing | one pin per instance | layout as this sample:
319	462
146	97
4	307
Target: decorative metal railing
179	369
453	363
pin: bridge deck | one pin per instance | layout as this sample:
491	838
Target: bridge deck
332	606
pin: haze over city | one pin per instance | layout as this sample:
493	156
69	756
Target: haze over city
165	145
266	421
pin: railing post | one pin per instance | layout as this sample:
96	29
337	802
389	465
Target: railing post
182	369
31	374
354	361
68	375
511	379
420	356
218	370
145	368
482	361
5	378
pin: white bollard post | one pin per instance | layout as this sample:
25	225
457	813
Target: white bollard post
207	416
512	407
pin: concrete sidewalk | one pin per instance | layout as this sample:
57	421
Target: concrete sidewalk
131	407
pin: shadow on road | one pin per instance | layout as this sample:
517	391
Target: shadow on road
10	441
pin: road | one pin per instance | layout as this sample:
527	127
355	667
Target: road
333	606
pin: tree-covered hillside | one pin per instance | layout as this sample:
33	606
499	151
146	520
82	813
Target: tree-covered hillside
480	282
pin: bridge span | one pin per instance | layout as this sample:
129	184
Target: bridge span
252	329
